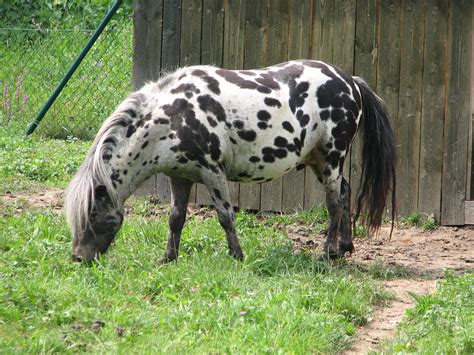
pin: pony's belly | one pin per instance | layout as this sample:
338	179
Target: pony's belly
263	172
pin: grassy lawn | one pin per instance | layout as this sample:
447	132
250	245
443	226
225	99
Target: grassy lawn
25	163
440	323
273	301
276	300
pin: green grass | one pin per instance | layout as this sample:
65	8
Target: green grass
273	301
33	63
441	323
26	162
421	220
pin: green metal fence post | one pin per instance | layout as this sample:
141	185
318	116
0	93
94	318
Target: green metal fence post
73	67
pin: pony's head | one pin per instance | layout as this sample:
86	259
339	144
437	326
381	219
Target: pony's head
94	202
94	235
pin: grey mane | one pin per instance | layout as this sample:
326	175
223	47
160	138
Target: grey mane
93	171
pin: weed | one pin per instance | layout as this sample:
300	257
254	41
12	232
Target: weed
440	323
39	160
274	301
421	220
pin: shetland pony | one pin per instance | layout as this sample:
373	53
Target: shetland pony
209	125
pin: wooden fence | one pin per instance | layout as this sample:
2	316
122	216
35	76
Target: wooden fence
415	54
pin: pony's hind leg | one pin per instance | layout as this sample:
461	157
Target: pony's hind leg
332	184
345	244
219	191
333	202
180	190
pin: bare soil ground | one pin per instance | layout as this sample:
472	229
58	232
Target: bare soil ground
424	255
51	198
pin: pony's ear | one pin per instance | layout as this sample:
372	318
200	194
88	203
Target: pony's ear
100	191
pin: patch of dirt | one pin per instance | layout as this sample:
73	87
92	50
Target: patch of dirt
385	320
426	253
423	254
50	198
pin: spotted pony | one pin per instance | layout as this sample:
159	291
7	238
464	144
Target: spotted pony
209	125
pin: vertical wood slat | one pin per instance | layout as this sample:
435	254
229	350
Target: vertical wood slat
190	45
321	49
211	53
365	66
147	45
470	194
166	49
299	31
432	119
388	65
271	192
343	49
409	104
457	113
343	22
233	55
147	29
470	185
254	53
171	34
171	39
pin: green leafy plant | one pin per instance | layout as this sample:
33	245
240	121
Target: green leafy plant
422	220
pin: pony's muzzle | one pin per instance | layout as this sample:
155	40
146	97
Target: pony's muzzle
76	258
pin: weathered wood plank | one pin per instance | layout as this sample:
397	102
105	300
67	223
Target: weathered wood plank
299	34
234	33
388	65
457	114
212	32
409	105
147	188
256	27
190	44
190	50
365	66
469	212
211	53
271	192
233	54
344	34
147	47
171	34
343	48
323	23
147	17
432	119
170	60
471	155
147	28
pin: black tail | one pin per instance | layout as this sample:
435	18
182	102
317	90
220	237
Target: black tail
378	161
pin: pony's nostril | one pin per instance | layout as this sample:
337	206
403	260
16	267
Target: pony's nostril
76	258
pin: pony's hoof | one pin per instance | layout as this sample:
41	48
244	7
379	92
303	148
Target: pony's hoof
344	248
237	255
165	260
328	254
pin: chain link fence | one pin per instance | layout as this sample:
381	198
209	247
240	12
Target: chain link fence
33	61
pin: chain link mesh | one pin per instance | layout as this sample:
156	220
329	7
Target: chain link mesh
33	62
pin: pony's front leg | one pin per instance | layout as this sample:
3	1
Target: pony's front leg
180	190
219	191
